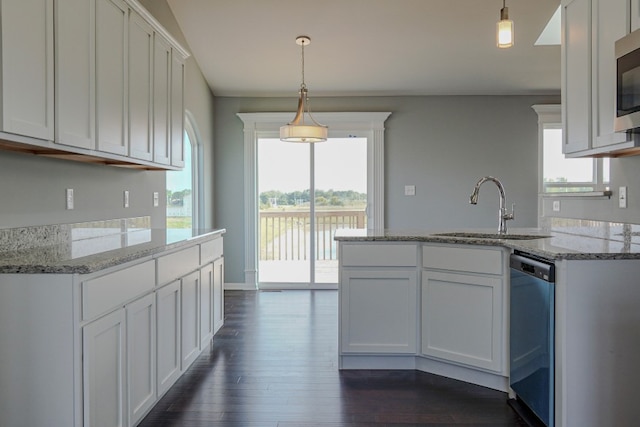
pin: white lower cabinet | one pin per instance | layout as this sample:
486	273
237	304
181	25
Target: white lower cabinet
378	311
464	305
218	294
190	319
141	357
438	308
104	371
461	318
168	344
115	340
206	305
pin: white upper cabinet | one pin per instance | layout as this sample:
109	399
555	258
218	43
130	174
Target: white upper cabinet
27	68
635	15
75	73
161	106
100	79
140	87
111	75
177	109
576	75
611	21
589	30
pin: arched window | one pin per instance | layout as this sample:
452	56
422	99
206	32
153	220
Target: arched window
183	188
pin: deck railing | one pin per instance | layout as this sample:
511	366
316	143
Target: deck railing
285	235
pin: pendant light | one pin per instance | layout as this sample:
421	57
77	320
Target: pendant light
297	130
504	28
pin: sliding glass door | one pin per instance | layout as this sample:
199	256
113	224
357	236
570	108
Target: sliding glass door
306	192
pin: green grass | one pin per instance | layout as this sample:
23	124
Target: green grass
178	222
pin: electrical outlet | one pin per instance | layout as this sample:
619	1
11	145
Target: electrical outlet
622	197
69	198
156	199
126	198
409	190
556	205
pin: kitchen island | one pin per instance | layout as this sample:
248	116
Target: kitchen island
438	302
98	320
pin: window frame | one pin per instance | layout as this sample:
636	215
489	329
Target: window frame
191	129
192	137
550	117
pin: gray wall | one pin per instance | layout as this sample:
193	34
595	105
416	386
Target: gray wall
441	144
33	191
33	188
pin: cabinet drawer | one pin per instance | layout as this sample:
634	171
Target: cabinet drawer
379	255
177	264
210	251
114	289
472	260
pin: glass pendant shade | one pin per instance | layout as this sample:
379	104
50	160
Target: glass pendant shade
504	30
297	130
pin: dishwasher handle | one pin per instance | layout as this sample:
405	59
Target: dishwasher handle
533	267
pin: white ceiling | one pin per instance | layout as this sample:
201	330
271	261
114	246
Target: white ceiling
369	47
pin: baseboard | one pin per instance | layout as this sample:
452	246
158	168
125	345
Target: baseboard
239	287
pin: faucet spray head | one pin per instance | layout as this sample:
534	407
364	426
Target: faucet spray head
473	199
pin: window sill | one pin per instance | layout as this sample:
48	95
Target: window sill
606	193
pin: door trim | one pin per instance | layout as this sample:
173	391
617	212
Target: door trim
267	125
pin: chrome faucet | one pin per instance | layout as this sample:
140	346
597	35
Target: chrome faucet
503	215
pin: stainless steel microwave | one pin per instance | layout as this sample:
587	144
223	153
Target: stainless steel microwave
627	51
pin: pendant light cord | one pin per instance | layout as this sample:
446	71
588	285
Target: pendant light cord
303	85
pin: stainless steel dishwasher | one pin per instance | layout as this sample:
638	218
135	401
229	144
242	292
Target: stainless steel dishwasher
532	321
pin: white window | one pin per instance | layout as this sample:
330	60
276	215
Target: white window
559	174
183	189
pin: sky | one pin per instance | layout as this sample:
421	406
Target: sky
341	164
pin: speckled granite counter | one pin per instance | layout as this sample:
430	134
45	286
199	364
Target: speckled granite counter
560	239
88	247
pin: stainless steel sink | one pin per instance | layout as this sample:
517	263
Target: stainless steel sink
471	235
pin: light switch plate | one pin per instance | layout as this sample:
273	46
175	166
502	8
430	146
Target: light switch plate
69	198
156	199
622	197
126	198
409	190
556	205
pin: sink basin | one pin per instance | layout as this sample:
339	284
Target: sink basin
492	236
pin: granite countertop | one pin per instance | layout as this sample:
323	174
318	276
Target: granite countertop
80	250
558	239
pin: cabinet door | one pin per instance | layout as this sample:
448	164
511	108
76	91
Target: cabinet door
206	305
610	22
576	75
218	294
378	311
140	87
635	15
168	358
161	92
27	67
462	319
141	356
177	110
190	319
75	73
103	345
111	76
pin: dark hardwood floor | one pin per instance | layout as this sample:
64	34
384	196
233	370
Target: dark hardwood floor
274	363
